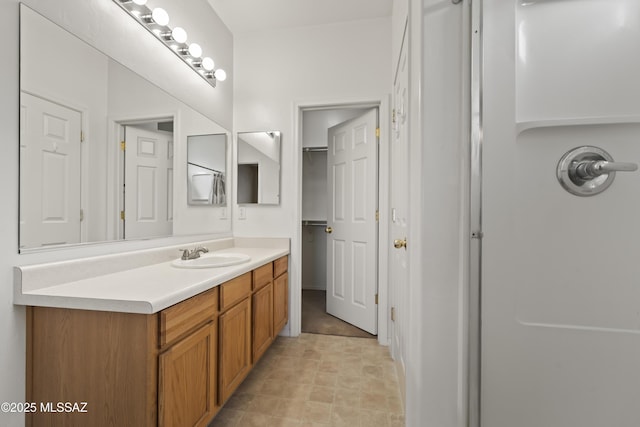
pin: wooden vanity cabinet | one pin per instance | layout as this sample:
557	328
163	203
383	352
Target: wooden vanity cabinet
234	357
187	380
262	321
280	293
108	360
172	368
187	375
280	301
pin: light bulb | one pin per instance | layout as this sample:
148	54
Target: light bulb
160	16
140	2
195	50
179	34
207	63
220	74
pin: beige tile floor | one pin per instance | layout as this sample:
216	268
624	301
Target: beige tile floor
318	381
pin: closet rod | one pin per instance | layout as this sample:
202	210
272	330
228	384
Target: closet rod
314	149
314	223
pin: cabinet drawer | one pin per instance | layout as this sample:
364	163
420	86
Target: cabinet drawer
180	318
234	290
280	266
262	275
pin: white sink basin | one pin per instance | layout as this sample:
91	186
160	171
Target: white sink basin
212	260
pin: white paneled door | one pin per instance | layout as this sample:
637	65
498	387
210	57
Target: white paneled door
49	173
560	271
352	229
148	183
399	197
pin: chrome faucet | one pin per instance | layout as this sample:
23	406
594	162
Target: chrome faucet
193	254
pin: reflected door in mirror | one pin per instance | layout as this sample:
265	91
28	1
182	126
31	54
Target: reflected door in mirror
50	211
148	181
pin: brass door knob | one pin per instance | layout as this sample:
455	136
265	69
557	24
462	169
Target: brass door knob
400	243
328	230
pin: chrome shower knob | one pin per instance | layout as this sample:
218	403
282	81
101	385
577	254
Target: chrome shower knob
587	170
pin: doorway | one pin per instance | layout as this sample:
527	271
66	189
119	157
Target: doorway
145	178
334	298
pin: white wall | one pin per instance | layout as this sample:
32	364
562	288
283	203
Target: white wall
439	164
103	22
278	70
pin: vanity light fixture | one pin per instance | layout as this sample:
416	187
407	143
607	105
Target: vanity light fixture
156	21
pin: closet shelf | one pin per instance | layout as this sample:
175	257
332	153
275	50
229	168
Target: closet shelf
314	149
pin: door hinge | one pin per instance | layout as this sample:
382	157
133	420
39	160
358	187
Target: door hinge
122	215
477	234
81	215
377	132
123	145
81	136
376	299
377	215
393	314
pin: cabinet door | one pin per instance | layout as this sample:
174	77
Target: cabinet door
187	380
280	302
235	348
262	307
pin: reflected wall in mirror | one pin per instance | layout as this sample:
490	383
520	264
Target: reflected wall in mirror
206	169
259	168
74	168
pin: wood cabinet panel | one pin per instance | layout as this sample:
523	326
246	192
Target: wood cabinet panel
280	302
187	380
262	276
106	359
280	266
234	290
177	320
234	347
262	323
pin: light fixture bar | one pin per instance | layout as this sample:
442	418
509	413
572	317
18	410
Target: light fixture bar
156	21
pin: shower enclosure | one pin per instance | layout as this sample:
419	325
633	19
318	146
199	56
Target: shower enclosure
559	288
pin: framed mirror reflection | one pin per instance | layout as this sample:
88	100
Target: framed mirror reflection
102	149
258	167
206	169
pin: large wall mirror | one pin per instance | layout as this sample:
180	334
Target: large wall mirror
101	147
207	169
259	168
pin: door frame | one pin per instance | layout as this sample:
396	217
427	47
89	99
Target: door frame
474	266
382	102
115	165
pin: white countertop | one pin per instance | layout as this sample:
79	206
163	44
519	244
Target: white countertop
147	289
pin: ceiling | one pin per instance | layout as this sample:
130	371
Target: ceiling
243	16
